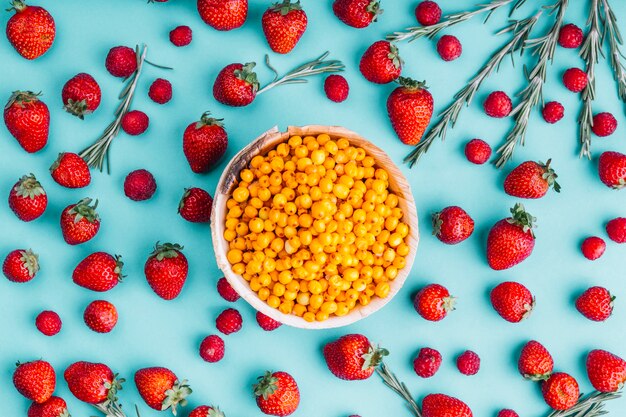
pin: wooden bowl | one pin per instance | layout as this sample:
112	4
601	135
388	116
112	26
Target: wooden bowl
263	144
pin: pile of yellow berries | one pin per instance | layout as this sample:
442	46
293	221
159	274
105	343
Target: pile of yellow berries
314	229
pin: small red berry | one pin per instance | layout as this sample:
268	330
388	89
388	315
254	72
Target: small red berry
507	413
477	151
135	122
552	112
593	247
100	316
227	292
181	36
195	206
212	349
616	229
267	323
428	13
596	304
427	362
229	321
336	88
570	36
160	91
48	322
121	61
604	124
452	225
449	48
498	104
468	363
139	185
575	80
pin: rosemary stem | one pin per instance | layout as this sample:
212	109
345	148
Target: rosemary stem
611	30
590	406
390	379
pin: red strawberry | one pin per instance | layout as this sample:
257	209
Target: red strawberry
206	411
428	13
512	301
433	302
616	229
160	91
195	206
135	122
223	14
204	143
93	383
21	265
449	48
336	88
71	171
427	362
477	151
468	363
357	13
267	323
511	240
284	24
593	248
99	272
81	95
381	63
604	124
498	104
28	119
100	316
596	303
80	222
160	389
440	405
606	371
226	291
121	61
54	407
48	323
236	85
452	225
612	169
353	357
410	108
570	36
507	413
35	380
560	391
181	36
229	321
552	112
166	270
535	362
277	394
575	80
212	349
139	185
27	198
31	30
531	180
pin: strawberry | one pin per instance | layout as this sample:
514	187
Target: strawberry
433	302
511	240
21	265
160	389
195	205
512	301
166	270
71	171
593	247
507	413
427	362
596	303
121	61
381	63
31	30
277	394
160	91
99	272
560	391
204	143
452	225
139	185
212	349
93	383
28	119
54	407
267	323
27	198
229	321
336	88
81	95
606	371
181	36
48	323
410	108
236	85
612	169
531	180
135	122
226	291
468	363
35	380
357	13
353	357
206	411
100	316
440	405
223	14
535	362
80	222
283	25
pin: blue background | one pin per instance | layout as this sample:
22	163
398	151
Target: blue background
155	332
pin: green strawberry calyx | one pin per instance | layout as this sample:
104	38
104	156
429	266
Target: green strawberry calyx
215	412
550	175
448	303
113	387
17	6
83	210
166	250
411	84
20	98
374	8
285	7
176	395
437	223
31	261
207	120
119	266
29	187
529	309
57	162
247	74
538	377
394	55
520	217
374	357
267	385
77	108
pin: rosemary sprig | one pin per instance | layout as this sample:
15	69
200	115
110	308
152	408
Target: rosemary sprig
590	406
520	30
390	379
544	47
297	75
590	52
96	154
611	30
416	32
